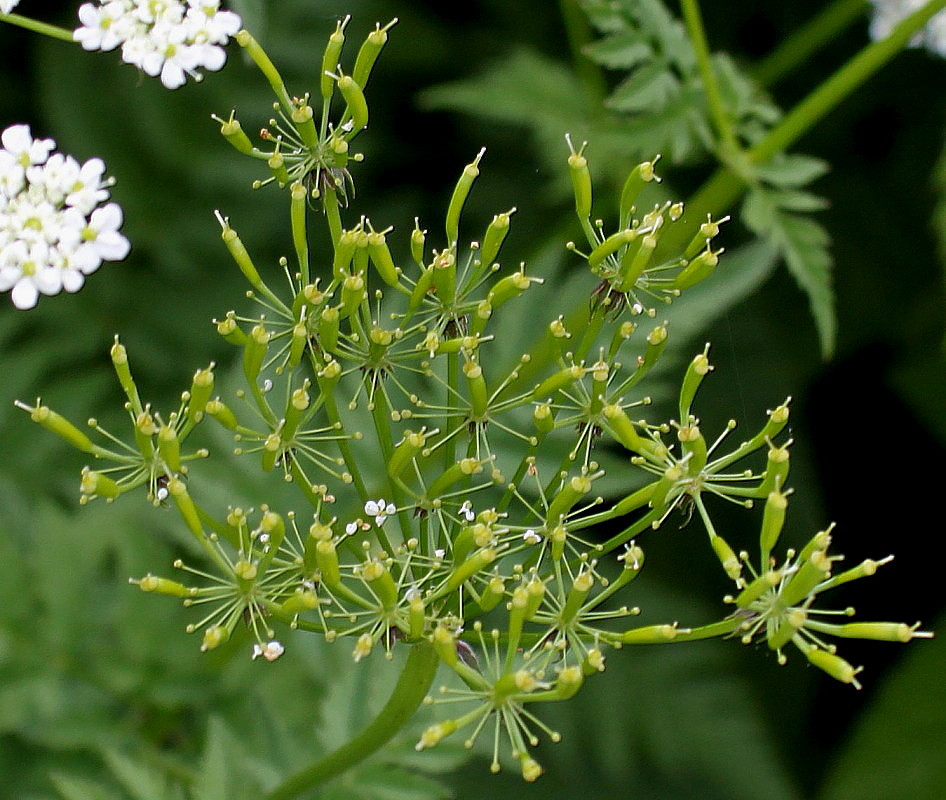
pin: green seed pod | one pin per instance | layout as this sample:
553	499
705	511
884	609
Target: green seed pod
255	352
773	519
298	404
445	276
302	118
813	571
476	383
152	583
381	258
560	380
650	634
479	318
239	254
328	329
834	665
478	561
694	448
418	240
95	484
233	132
610	246
277	165
464	468
880	631
185	506
405	452
344	253
576	597
509	287
326	559
496	233
776	471
581	182
567	497
695	373
378	576
416	617
201	387
354	292
543	418
446	647
231	331
764	583
790	623
699	269
639	177
708	231
369	51
492	594
169	446
301	600
272	447
727	557
356	107
59	425
297	343
330	58
120	361
635	260
221	413
623	429
458	198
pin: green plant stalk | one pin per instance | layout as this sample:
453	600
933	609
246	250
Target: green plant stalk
578	31
725	186
808	39
724	127
52	31
411	689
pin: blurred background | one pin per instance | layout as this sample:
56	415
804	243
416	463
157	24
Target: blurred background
96	678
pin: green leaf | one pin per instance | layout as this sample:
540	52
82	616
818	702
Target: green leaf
621	50
71	787
897	747
792	170
140	781
803	243
649	88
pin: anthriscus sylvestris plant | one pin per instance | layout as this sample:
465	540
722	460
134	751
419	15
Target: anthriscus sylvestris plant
446	501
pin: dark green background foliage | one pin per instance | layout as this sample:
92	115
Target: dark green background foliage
101	694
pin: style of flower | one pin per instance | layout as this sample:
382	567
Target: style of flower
53	232
171	39
888	13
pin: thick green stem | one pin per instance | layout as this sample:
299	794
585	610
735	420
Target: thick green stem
724	127
53	31
808	39
726	186
411	688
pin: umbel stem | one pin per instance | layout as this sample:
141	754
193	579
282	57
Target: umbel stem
413	685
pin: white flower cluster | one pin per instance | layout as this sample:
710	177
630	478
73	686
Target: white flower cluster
887	13
6	6
53	232
170	38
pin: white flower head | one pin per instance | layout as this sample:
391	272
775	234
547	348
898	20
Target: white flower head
466	511
53	232
889	13
380	510
6	6
531	537
172	39
270	651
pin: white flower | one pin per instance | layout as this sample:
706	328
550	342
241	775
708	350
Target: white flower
6	6
172	39
531	537
53	232
270	651
888	13
466	511
380	509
